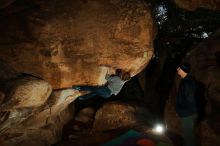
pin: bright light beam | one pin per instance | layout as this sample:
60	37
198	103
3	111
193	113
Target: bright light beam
159	128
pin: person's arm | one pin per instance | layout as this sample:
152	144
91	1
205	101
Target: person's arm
110	73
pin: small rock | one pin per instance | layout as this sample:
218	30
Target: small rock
85	115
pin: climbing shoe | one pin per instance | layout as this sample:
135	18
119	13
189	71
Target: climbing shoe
76	87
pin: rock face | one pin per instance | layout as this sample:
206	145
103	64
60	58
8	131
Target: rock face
46	45
204	61
25	93
31	114
69	42
194	4
114	115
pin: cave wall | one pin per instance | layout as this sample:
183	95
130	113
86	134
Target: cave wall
205	68
48	46
204	59
72	42
194	4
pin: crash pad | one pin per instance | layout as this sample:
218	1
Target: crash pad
129	136
134	138
145	142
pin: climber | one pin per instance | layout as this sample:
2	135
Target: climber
113	85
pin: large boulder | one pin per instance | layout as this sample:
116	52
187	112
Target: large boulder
205	66
114	115
194	4
71	42
26	92
29	133
60	44
39	124
206	69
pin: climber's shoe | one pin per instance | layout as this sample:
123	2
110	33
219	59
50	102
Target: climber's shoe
76	87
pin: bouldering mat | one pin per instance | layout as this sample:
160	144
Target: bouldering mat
134	138
129	136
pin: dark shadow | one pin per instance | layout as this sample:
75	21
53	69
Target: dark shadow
130	93
201	100
175	138
217	55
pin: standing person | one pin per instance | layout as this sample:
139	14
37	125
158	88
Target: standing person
186	106
113	85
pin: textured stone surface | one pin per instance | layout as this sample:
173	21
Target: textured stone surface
116	115
58	102
68	42
38	124
28	133
85	115
194	4
206	69
63	43
25	93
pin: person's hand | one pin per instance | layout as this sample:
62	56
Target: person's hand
110	71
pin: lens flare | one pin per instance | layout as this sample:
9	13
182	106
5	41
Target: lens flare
159	128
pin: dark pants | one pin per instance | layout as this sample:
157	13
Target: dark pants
189	130
102	91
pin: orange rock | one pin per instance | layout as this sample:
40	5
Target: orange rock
69	42
27	93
